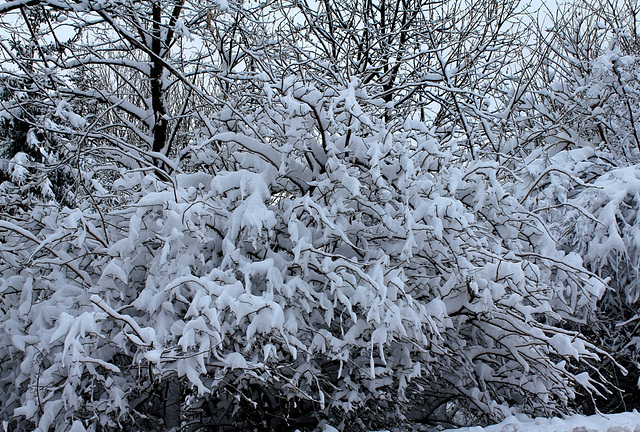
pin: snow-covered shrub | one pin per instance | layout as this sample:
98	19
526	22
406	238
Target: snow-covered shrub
600	223
329	266
580	171
607	235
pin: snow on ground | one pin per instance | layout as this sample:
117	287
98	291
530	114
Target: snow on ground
625	422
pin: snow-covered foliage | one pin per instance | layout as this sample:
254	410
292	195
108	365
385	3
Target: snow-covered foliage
583	161
31	165
294	240
361	279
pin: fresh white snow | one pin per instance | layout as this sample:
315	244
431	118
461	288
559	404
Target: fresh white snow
624	422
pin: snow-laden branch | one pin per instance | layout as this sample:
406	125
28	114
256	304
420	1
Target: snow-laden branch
63	257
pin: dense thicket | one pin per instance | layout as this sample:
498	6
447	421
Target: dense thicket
289	215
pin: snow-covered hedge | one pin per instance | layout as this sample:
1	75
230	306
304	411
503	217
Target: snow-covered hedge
329	265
